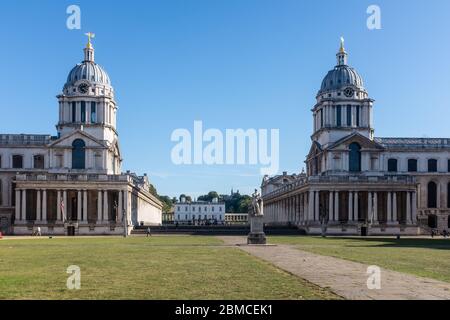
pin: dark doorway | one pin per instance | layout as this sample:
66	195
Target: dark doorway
364	232
432	221
71	231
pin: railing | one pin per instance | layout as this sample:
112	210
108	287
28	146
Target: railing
23	139
73	177
393	179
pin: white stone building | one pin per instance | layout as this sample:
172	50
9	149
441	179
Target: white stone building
356	183
199	212
72	183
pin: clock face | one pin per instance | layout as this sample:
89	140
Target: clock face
349	92
83	88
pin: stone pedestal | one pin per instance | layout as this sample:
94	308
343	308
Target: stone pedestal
257	235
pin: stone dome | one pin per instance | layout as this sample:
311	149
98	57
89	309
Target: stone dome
89	71
340	77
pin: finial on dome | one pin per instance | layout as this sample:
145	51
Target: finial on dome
89	50
342	54
342	49
90	36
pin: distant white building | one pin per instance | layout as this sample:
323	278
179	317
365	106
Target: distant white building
199	212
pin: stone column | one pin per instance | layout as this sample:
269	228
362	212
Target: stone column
408	207
17	205
375	207
389	207
120	207
64	213
317	206
44	206
38	205
336	206
414	208
105	206
24	205
85	206
394	208
369	206
127	205
330	207
58	205
350	206
99	207
311	206
356	215
79	205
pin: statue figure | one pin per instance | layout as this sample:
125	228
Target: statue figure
257	204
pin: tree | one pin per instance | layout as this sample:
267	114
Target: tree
209	197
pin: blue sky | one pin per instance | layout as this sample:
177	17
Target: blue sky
232	64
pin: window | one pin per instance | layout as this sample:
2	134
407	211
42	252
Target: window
212	209
93	112
412	165
321	118
448	195
74	112
432	165
357	116
220	209
392	165
1	193
338	116
0	162
432	195
83	111
355	157
349	115
78	154
38	162
448	165
17	162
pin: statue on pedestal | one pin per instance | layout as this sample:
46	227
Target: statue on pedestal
256	219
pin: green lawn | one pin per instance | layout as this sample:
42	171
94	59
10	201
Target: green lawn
176	267
422	257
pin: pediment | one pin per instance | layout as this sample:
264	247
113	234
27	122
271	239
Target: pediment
67	141
363	141
315	149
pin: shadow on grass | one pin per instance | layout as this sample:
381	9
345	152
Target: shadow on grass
439	244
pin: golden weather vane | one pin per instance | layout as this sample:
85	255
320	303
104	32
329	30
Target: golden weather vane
90	36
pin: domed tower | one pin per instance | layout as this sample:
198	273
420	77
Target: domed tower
87	101
343	105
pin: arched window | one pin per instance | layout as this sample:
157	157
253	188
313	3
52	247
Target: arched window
432	195
432	165
78	154
392	165
355	157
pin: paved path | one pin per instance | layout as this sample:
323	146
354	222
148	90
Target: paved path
345	278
